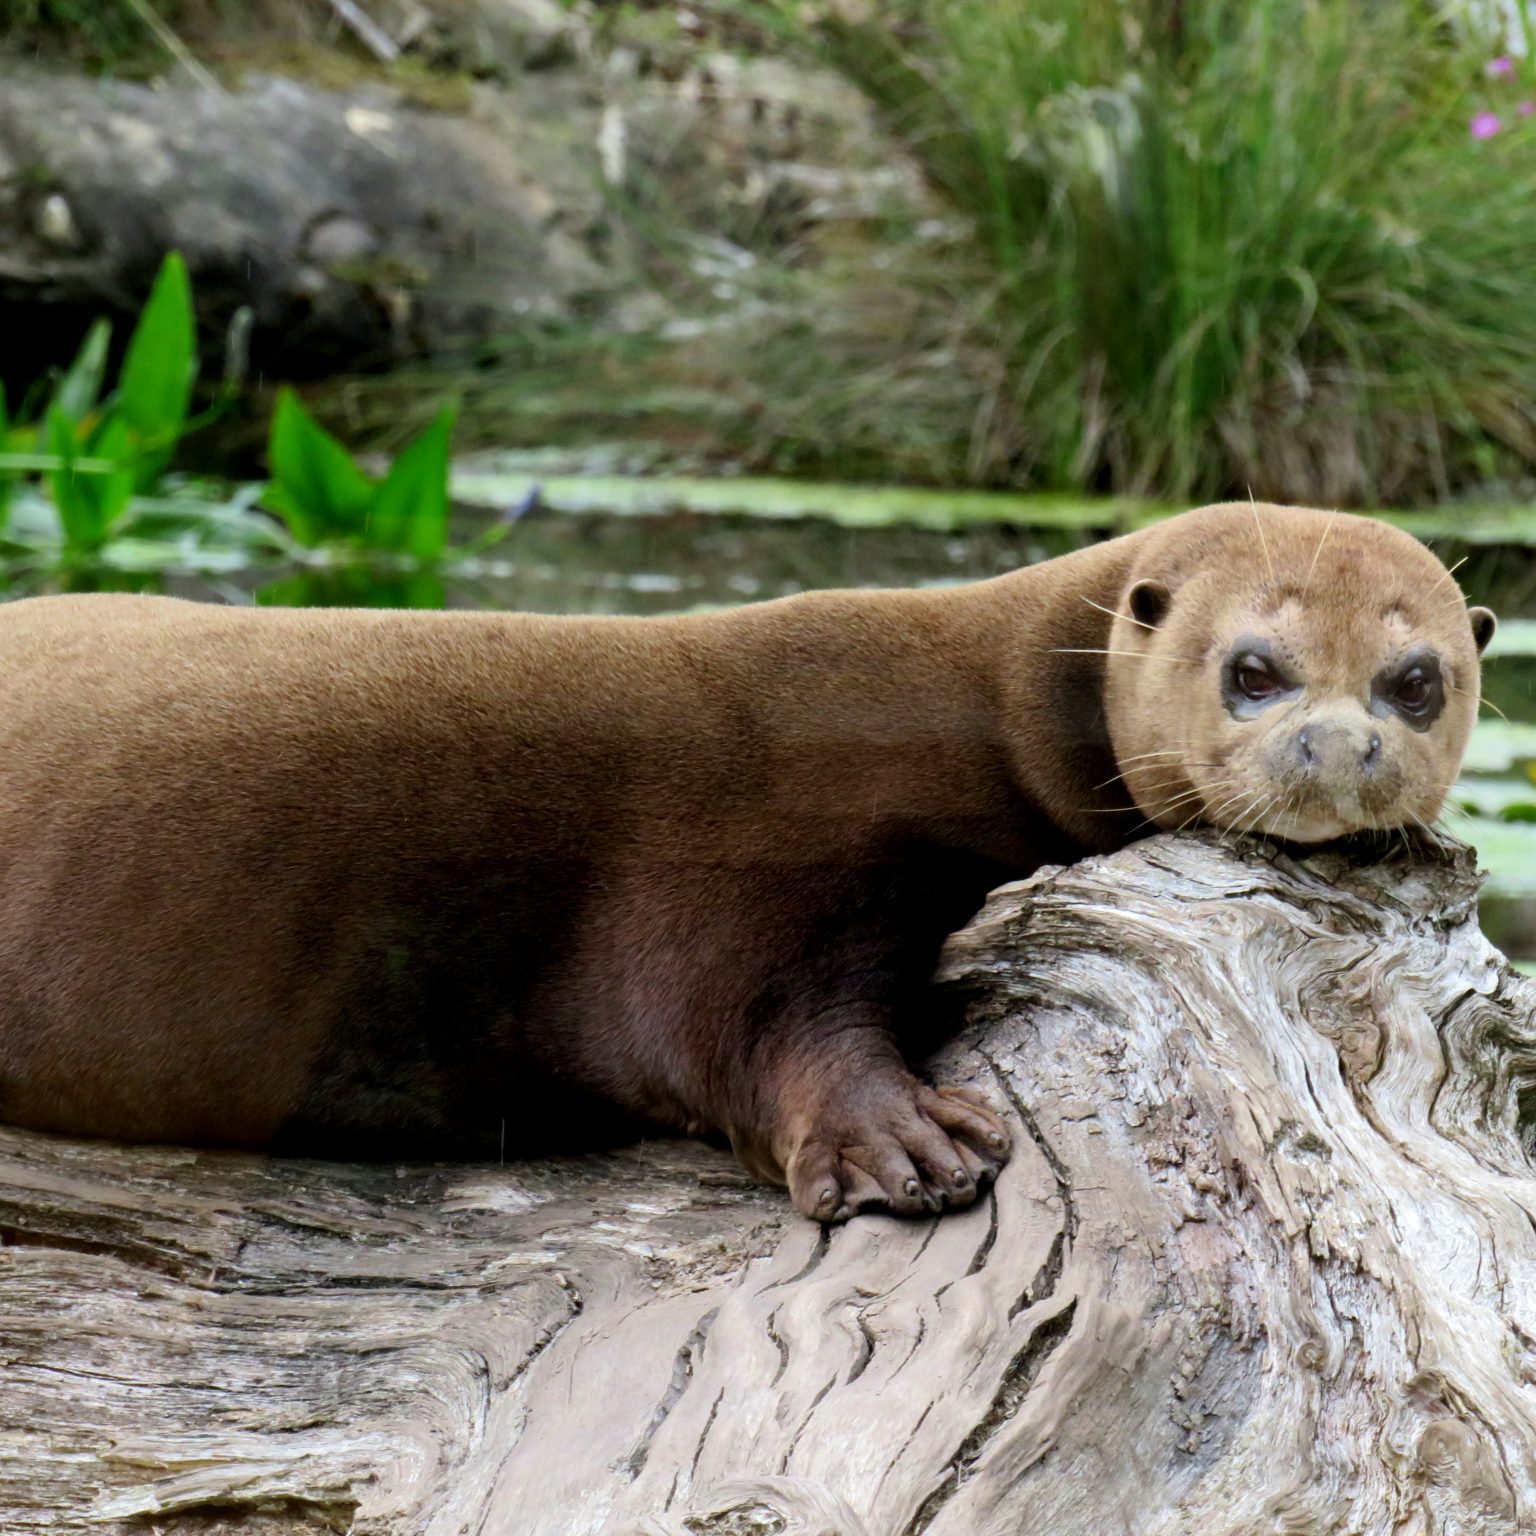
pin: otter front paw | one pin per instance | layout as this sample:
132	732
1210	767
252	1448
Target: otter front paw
899	1146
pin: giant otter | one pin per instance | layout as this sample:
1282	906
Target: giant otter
372	883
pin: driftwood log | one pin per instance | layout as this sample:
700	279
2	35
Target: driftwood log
1264	1262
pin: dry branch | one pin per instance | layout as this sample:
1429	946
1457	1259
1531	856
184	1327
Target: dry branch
1264	1262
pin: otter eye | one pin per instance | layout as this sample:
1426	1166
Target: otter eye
1254	679
1414	691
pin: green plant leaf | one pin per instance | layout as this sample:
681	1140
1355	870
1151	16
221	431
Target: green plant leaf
1507	849
110	494
1497	745
89	504
63	483
316	488
79	390
154	390
409	513
304	589
354	587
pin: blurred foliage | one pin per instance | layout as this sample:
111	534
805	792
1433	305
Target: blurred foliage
325	499
139	37
102	29
83	486
1187	249
1180	251
96	449
1227	245
106	33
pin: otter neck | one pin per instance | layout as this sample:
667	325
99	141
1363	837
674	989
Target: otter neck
1049	683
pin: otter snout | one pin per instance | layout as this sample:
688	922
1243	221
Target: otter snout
1338	771
1336	751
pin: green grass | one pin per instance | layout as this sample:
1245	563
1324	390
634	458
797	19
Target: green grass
131	35
1230	245
100	29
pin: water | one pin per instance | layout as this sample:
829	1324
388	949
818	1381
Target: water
552	562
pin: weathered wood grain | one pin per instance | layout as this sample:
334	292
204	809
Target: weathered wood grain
1264	1262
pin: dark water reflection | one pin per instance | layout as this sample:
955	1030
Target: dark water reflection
557	563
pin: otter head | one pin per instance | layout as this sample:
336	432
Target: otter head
1303	674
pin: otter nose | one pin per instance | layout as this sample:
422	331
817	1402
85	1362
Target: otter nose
1330	749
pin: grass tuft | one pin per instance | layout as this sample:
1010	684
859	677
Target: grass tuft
1230	245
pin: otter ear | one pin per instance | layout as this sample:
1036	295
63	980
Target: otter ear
1483	626
1148	602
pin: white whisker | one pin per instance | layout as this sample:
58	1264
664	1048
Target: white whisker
1115	614
1258	523
1317	553
1090	650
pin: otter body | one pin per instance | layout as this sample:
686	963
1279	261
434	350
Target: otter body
372	883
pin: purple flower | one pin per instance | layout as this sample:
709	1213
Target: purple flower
1485	125
1502	67
1526	109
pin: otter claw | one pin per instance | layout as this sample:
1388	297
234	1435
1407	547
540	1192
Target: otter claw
899	1147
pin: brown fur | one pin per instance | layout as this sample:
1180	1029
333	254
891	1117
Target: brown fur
382	883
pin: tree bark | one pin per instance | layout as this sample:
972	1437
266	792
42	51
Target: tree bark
1264	1261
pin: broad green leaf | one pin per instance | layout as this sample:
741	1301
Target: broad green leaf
1498	744
317	488
410	509
77	506
98	578
301	590
1485	795
418	589
1506	849
112	443
154	390
353	587
89	503
63	483
1513	637
80	388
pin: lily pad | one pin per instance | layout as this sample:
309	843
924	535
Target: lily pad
1493	796
1513	637
849	506
1472	523
1497	745
1506	849
502	481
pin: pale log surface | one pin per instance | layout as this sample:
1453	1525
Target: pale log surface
1264	1262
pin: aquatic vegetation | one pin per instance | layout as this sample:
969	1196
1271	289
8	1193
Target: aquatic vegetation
326	499
95	449
1229	246
85	488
